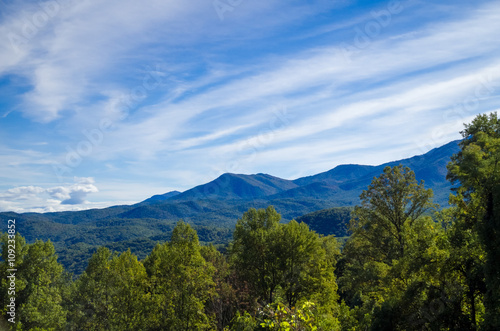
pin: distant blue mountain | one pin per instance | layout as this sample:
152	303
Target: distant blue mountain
341	185
232	186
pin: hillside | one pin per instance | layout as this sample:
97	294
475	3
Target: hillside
332	221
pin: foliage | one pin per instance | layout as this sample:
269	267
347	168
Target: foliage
281	318
254	253
393	251
464	267
111	292
243	322
181	282
283	262
476	168
77	235
226	301
38	290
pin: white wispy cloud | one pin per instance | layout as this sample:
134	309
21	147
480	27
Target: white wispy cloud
186	95
64	47
429	92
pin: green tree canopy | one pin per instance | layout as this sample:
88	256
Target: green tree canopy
389	208
38	284
391	244
477	169
181	282
253	253
285	262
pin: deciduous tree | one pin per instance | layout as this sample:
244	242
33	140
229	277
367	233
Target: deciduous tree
181	282
38	284
477	169
286	263
393	241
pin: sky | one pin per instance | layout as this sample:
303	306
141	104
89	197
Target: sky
111	102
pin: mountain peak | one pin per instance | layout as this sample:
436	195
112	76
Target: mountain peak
343	183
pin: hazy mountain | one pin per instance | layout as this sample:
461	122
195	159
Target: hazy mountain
225	198
348	180
339	174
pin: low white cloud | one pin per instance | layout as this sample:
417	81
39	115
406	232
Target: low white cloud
39	199
22	193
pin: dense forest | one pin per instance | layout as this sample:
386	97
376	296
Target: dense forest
406	265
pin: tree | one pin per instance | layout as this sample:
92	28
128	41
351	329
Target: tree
20	248
477	169
253	253
111	293
94	291
130	300
42	274
224	304
464	267
181	282
389	208
286	263
304	264
38	284
392	243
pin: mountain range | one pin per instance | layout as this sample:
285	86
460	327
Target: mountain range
213	208
340	186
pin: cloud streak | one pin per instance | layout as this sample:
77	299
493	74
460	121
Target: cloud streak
351	95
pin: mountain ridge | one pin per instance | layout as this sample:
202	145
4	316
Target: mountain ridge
336	182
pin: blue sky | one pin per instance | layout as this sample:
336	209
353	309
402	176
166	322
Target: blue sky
104	103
